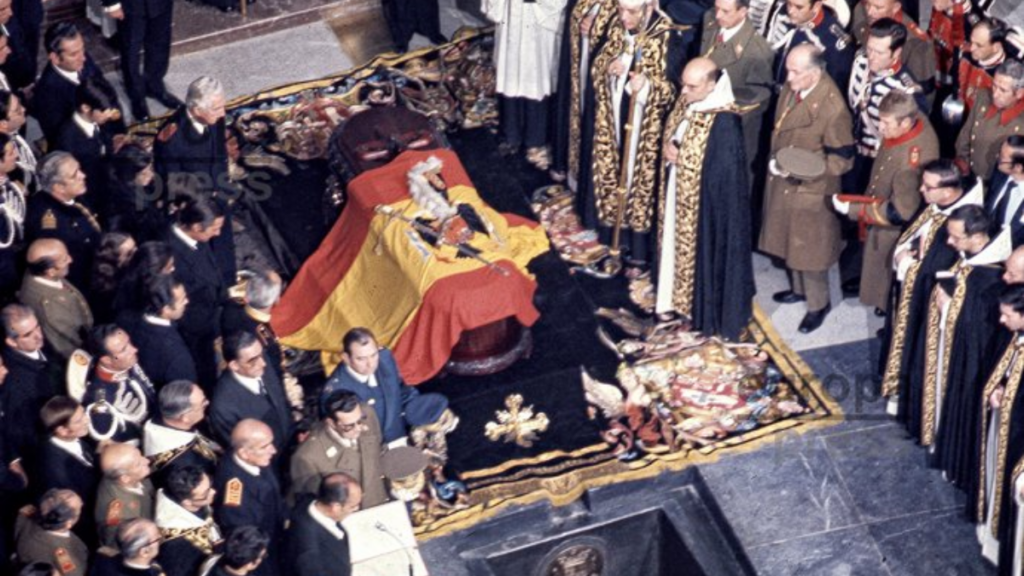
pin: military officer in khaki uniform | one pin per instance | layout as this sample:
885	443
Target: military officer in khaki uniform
125	492
997	114
347	440
800	226
45	535
892	197
733	44
62	311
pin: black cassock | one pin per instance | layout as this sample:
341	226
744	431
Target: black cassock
1009	509
724	276
977	342
939	257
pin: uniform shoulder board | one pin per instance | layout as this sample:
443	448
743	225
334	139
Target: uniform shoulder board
114	512
168	132
915	156
49	221
908	82
233	493
64	562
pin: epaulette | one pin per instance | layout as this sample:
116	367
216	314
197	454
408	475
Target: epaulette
114	512
168	132
908	82
842	38
916	30
915	156
233	492
49	221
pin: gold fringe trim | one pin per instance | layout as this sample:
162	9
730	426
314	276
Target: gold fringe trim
567	488
934	373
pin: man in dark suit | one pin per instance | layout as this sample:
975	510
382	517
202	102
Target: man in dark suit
53	99
370	372
163	353
65	460
248	390
58	211
197	221
88	135
1005	199
248	493
262	292
144	26
317	545
190	154
31	380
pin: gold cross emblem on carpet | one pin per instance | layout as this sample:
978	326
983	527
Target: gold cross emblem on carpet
517	424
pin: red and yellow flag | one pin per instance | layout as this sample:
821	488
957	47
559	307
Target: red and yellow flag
377	272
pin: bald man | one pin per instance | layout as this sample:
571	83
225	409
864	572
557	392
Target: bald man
60	308
139	543
125	492
1014	273
704	267
248	493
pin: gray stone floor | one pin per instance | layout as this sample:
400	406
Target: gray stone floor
855	498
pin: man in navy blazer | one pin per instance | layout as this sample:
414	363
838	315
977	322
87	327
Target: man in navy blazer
53	99
317	544
1004	200
370	372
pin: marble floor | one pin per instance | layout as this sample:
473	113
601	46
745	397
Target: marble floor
855	498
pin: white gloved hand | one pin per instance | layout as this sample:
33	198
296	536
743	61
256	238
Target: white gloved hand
839	205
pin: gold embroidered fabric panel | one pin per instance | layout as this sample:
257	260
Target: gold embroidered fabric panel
639	209
891	379
1015	354
689	170
934	373
598	28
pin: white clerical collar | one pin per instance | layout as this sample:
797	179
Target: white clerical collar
170	514
73	447
69	76
250	384
721	96
728	33
199	126
322	519
188	240
34	355
88	127
974	197
55	284
156	320
252	470
157	438
996	251
370	380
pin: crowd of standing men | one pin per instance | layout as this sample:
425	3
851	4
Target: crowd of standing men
821	134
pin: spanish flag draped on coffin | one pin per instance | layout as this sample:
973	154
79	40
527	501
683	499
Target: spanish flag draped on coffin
379	272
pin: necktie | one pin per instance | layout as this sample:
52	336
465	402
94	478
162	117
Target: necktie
1004	203
263	388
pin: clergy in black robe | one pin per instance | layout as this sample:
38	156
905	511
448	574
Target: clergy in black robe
586	25
704	269
921	251
1002	425
633	76
191	156
172	440
407	17
962	336
185	520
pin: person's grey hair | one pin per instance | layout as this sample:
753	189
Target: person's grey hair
1013	69
15	313
49	169
175	399
263	290
115	472
132	537
201	91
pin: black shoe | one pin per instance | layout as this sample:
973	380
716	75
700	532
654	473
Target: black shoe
851	288
140	111
788	297
813	320
166	98
879	312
